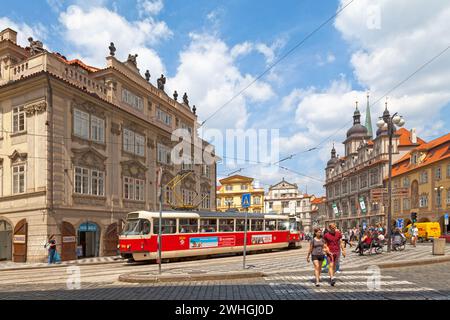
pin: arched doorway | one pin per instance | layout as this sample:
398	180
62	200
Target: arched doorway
111	239
88	240
69	241
5	240
20	241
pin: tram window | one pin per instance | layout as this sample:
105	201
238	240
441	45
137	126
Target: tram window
188	225
270	225
283	225
136	227
146	227
168	226
208	225
257	224
226	225
240	225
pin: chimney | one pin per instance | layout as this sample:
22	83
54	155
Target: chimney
413	136
8	34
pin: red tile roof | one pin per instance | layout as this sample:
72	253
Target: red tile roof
436	150
405	138
77	62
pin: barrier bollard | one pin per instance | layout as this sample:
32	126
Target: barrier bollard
438	246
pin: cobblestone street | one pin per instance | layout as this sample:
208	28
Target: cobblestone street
289	277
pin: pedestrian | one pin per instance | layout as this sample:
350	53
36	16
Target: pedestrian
333	240
51	245
414	232
317	250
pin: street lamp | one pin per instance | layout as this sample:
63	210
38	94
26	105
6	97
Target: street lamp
388	122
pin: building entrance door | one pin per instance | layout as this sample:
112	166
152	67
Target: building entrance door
68	237
88	239
20	241
5	241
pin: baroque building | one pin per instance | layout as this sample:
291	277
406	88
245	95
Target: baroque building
425	172
350	178
80	148
230	191
285	198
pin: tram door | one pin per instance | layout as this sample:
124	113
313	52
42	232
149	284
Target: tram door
5	241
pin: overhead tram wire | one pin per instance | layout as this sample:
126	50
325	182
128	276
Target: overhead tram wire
376	101
284	56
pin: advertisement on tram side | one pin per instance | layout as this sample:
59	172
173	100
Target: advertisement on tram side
261	238
211	242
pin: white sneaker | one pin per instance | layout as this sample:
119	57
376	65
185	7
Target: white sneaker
338	271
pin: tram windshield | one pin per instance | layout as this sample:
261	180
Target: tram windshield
294	225
136	227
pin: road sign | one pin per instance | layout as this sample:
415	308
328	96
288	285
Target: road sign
364	225
446	219
246	200
400	223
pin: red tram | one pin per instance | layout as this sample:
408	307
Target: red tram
187	234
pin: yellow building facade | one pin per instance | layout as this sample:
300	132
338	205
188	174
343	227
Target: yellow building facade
425	172
229	194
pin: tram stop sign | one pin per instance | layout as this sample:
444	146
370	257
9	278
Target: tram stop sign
246	200
400	223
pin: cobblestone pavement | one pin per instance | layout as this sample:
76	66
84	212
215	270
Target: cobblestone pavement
413	283
5	265
290	278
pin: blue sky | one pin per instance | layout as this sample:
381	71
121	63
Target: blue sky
212	49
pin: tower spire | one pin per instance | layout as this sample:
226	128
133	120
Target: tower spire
368	118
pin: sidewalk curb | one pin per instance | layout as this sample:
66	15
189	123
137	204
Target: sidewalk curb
61	265
142	278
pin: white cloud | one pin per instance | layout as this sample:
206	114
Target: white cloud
208	73
329	58
37	32
90	31
409	34
150	7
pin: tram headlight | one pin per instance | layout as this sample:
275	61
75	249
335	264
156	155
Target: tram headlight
129	246
118	246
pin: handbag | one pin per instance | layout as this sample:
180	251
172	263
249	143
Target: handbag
57	257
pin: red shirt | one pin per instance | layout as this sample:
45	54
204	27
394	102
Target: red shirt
333	241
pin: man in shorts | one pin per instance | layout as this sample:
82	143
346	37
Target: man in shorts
334	242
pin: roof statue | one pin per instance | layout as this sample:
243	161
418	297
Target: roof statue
147	75
161	82
112	49
175	95
132	59
185	99
35	46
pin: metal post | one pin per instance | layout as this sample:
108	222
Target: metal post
389	217
160	223
245	237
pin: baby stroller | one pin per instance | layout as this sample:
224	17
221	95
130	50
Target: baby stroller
398	243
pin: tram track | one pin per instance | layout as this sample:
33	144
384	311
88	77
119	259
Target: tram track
109	272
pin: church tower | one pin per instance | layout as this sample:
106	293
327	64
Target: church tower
368	119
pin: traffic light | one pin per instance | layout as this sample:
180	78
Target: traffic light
414	217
